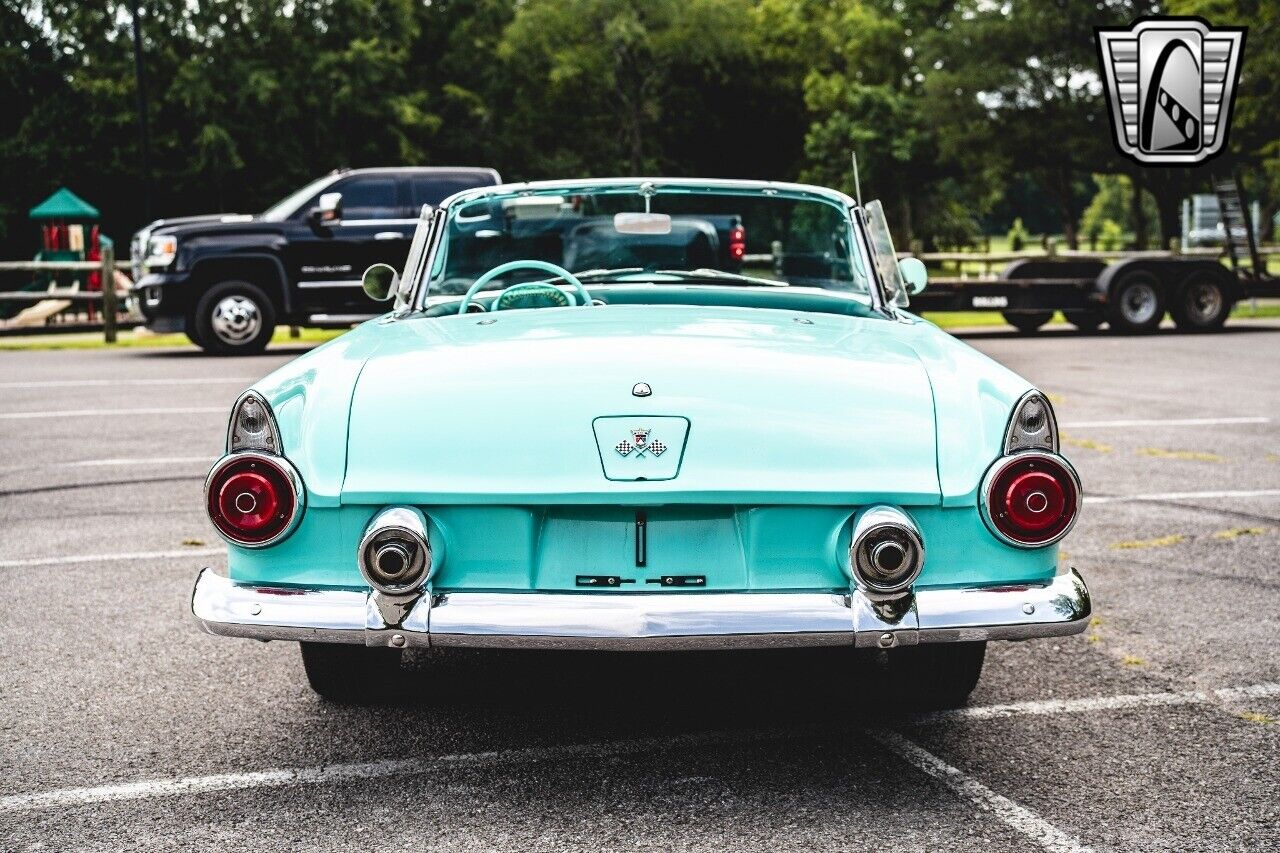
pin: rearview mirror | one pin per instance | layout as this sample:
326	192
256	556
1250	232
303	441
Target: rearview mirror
914	274
642	223
380	282
327	211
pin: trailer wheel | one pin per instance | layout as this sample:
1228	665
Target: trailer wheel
1201	304
1086	321
1136	305
1027	322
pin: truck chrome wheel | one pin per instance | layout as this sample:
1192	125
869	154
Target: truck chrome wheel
233	318
1139	304
236	319
1202	305
1136	303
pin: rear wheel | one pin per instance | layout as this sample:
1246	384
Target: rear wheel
933	675
1201	304
1137	303
1027	322
234	318
353	675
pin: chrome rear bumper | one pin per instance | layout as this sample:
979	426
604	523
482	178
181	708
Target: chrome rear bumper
643	620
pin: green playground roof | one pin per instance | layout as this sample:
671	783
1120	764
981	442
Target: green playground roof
64	204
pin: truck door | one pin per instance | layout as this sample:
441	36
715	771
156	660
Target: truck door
375	227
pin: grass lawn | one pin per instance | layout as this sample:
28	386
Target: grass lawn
143	338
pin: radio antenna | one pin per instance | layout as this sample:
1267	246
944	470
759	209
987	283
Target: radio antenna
857	185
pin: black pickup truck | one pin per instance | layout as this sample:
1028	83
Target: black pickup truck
228	280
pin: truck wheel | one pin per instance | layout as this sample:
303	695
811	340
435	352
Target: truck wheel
234	318
1201	305
1137	303
1027	322
934	675
352	675
1085	321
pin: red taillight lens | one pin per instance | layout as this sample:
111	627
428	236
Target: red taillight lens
251	498
737	242
1032	499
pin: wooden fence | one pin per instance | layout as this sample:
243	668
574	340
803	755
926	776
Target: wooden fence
106	298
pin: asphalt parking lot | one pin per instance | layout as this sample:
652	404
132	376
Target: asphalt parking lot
122	727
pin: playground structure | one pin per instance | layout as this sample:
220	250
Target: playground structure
67	287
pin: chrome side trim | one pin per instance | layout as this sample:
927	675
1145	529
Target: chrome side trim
353	282
642	621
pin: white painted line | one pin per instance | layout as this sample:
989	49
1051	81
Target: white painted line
1167	422
102	413
354	772
107	558
112	383
1265	690
103	463
1013	814
1017	817
1252	691
1182	496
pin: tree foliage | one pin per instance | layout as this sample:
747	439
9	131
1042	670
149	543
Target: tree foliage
963	114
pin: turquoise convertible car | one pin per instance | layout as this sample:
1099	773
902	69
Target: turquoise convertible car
644	414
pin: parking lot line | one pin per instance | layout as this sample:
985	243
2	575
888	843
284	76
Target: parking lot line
1182	496
1106	703
1016	817
1169	422
104	558
97	413
153	788
112	383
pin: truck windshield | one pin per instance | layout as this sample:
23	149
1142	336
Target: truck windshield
676	235
288	206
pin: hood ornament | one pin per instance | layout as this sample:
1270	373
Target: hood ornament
641	389
639	444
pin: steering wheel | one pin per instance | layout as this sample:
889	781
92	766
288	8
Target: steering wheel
509	266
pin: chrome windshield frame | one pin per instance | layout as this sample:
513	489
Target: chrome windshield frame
441	216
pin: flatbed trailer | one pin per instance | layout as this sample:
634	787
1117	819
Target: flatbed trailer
1131	295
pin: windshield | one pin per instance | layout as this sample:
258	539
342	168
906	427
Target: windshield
663	235
288	205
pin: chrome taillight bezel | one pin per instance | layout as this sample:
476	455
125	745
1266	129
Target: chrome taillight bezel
291	477
993	475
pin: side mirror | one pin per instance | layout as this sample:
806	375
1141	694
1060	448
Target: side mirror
914	274
328	211
380	282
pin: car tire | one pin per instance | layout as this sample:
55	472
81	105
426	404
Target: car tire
351	674
1201	304
932	675
1136	306
234	318
1086	320
1027	322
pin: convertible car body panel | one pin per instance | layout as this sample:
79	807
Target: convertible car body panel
770	452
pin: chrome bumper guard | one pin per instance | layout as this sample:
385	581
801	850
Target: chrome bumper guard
694	620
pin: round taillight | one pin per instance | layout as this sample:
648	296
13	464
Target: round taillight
1031	499
252	498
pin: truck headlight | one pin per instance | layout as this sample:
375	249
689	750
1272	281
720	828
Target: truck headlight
162	251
